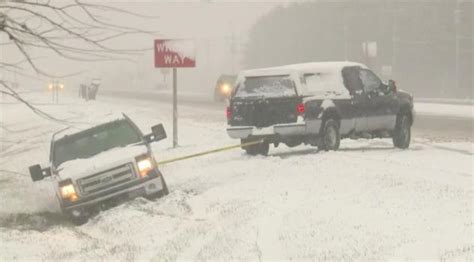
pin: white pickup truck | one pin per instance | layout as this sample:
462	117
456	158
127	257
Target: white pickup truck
102	166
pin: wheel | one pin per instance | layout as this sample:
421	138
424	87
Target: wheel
165	190
160	193
258	149
78	220
402	133
264	148
330	137
251	150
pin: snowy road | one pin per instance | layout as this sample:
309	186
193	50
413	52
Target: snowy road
436	121
367	201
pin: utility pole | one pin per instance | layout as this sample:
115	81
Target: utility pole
175	107
394	39
463	22
232	47
344	19
457	12
457	25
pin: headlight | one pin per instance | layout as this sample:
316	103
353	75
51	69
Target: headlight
67	190
145	165
225	88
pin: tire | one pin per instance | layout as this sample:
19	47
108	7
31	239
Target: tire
165	190
402	134
330	137
258	149
160	193
251	150
264	148
80	220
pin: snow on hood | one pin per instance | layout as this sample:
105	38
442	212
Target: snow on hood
78	168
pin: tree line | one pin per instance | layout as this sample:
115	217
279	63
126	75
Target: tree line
426	46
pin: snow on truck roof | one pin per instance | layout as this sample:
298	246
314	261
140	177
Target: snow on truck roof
321	79
315	67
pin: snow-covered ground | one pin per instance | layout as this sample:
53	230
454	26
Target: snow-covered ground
367	201
446	110
452	101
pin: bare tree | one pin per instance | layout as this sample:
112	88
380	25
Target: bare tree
73	30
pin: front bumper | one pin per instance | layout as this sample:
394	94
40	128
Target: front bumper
136	188
294	129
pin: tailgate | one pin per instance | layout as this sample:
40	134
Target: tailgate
264	112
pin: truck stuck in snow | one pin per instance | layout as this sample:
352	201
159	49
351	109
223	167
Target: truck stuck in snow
102	166
317	104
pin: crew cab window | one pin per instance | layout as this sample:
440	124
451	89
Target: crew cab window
269	86
352	81
370	81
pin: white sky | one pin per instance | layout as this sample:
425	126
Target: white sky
211	24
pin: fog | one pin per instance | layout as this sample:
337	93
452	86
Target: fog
426	46
101	161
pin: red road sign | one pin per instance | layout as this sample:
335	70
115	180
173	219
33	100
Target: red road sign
174	53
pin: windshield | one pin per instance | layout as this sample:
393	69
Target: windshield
272	86
94	141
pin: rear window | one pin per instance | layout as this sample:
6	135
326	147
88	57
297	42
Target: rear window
268	86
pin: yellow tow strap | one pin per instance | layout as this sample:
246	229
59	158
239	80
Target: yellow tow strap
164	162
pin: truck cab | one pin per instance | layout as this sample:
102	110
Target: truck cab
101	166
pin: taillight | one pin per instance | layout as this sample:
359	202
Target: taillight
229	113
300	108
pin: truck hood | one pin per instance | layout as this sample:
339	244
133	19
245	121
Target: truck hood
404	96
79	168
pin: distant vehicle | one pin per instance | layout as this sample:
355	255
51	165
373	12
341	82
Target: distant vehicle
89	92
317	104
102	165
224	87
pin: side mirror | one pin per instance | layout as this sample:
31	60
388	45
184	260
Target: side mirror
37	173
392	86
158	133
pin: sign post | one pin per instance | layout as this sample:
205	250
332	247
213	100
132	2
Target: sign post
175	107
175	53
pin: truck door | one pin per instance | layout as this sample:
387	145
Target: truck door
386	106
359	103
380	114
361	107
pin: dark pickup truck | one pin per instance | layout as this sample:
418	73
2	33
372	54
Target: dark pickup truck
317	104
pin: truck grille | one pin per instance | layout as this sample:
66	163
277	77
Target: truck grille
106	179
